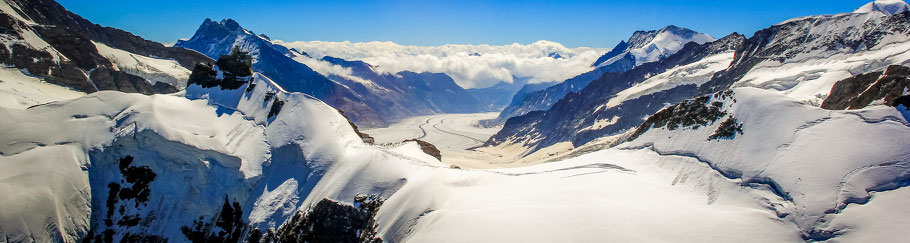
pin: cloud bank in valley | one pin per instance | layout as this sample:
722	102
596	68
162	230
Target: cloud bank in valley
493	64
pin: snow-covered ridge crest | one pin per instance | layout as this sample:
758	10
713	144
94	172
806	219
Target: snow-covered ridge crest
650	46
224	146
877	7
889	7
804	58
82	139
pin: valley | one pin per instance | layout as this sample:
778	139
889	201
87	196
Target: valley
457	136
793	132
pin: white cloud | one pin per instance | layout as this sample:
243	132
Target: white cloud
327	69
495	63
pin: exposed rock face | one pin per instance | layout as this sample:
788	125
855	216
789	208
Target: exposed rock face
69	53
692	113
862	90
363	136
37	62
428	148
53	16
330	221
234	69
131	192
228	226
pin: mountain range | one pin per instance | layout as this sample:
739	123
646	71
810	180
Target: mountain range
642	47
368	97
797	133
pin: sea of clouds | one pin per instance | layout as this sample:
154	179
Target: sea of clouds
494	63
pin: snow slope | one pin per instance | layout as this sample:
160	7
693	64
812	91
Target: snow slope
201	154
663	186
152	69
650	46
818	160
827	52
889	7
222	143
19	91
696	73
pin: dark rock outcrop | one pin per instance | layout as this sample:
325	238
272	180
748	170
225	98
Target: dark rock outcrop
228	226
235	71
861	90
427	148
691	114
71	36
132	191
331	221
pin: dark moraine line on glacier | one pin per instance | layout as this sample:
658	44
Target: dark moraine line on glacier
424	131
456	134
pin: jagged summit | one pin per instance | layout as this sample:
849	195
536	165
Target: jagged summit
218	38
889	7
649	46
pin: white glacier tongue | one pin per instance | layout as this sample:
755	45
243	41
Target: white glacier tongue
889	7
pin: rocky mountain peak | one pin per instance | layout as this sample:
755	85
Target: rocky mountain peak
649	46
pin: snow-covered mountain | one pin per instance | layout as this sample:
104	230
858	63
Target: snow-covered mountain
44	40
368	97
218	38
649	46
642	47
885	6
581	117
801	58
791	135
814	159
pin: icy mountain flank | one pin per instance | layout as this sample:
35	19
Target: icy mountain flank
649	46
46	41
801	58
642	47
889	7
369	97
819	161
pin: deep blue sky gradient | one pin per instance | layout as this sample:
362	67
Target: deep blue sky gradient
495	22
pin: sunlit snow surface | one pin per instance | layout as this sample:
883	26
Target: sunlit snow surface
152	69
660	187
796	169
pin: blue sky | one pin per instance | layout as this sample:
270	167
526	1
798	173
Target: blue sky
572	23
